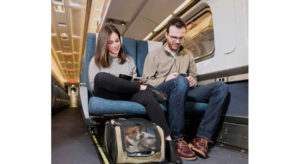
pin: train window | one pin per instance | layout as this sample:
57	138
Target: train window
200	36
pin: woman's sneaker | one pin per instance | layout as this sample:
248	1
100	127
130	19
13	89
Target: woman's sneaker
159	95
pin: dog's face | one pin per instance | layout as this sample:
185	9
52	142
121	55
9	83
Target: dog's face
133	132
138	141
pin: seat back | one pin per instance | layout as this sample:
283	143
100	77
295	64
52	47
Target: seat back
89	53
137	49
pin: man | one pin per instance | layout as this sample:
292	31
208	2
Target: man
172	70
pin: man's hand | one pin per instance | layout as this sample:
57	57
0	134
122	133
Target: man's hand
171	76
192	81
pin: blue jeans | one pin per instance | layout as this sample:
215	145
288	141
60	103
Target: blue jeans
178	92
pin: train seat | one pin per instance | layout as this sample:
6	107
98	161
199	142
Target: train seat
95	106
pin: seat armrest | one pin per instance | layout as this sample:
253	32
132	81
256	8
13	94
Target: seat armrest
83	93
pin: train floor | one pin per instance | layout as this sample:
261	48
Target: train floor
72	144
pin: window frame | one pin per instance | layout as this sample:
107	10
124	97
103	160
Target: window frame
194	18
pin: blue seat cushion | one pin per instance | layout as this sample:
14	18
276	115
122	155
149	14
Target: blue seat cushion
100	106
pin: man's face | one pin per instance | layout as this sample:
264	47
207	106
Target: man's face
175	37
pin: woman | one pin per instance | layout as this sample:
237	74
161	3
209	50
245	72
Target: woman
104	70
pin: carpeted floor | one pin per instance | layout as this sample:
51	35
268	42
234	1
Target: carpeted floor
71	144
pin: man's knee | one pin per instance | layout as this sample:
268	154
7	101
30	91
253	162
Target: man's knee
181	83
221	88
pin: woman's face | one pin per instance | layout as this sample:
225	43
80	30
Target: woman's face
113	44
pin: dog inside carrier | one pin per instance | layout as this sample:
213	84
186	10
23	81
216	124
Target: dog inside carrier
134	140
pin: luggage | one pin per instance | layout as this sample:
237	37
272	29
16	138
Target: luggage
134	140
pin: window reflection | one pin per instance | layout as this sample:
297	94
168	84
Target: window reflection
200	36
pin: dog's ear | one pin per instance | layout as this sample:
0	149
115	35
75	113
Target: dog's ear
129	130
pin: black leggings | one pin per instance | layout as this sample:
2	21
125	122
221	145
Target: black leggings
111	87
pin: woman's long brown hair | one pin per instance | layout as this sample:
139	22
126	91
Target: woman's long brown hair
101	52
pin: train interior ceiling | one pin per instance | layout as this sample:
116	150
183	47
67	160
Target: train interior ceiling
217	35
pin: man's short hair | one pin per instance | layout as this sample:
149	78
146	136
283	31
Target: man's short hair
175	22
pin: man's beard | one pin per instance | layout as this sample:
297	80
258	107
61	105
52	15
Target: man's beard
170	46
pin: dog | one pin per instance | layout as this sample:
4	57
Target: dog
137	141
